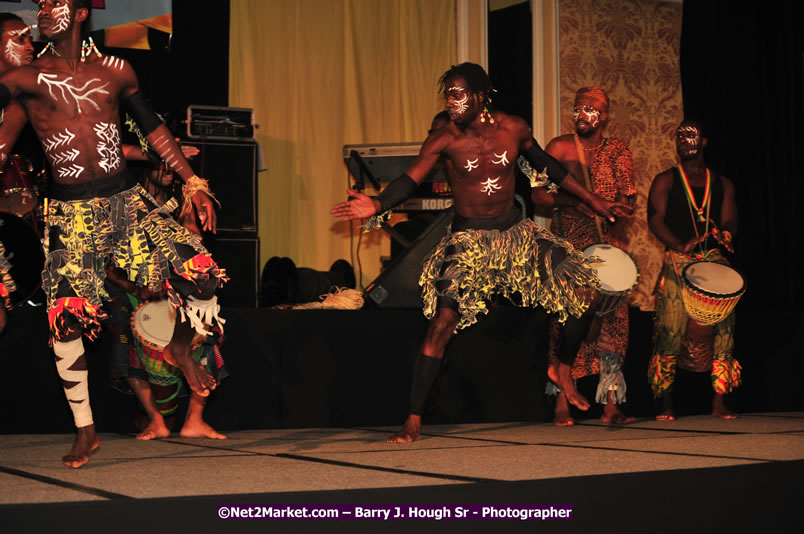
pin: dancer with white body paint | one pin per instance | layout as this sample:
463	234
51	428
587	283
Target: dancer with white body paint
99	215
490	251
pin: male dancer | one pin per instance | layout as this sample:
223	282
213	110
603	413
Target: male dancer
490	249
71	96
687	205
607	163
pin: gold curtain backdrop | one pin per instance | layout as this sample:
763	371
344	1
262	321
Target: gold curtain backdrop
630	48
321	74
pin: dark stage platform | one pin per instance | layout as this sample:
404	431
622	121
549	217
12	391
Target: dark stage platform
313	394
321	368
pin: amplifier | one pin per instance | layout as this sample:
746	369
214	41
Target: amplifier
211	122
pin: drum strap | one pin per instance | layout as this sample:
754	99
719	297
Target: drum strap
582	160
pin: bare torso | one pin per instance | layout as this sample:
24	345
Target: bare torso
480	163
73	107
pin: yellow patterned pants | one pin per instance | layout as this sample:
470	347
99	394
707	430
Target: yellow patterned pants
669	329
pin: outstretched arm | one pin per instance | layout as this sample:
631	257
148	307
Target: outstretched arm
361	206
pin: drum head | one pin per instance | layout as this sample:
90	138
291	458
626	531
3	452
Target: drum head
23	251
714	278
618	272
153	323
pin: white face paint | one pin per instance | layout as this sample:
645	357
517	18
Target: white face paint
689	138
79	94
12	52
502	159
61	18
457	100
108	145
587	113
14	49
490	186
471	164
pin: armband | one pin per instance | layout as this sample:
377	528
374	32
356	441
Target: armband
542	160
397	191
140	109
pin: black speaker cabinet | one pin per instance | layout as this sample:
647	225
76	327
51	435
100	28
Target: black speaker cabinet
240	256
231	168
398	284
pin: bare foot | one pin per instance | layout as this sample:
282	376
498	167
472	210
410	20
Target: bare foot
560	374
719	408
613	416
199	380
666	412
410	431
86	442
199	429
562	414
156	429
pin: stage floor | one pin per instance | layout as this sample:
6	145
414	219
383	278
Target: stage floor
694	463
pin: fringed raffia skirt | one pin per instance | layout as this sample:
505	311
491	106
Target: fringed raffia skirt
524	263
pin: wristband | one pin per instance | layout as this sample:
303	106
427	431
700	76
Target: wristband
193	185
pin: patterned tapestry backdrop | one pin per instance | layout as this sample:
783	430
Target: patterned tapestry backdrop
631	49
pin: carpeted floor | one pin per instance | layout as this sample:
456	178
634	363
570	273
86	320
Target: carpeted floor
697	473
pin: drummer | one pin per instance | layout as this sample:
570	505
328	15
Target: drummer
138	368
692	210
607	163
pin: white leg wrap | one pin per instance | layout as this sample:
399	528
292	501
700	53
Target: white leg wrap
201	313
77	396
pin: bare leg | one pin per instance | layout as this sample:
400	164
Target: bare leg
177	353
3	317
194	424
156	427
666	411
719	408
560	373
440	331
86	442
562	415
612	414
